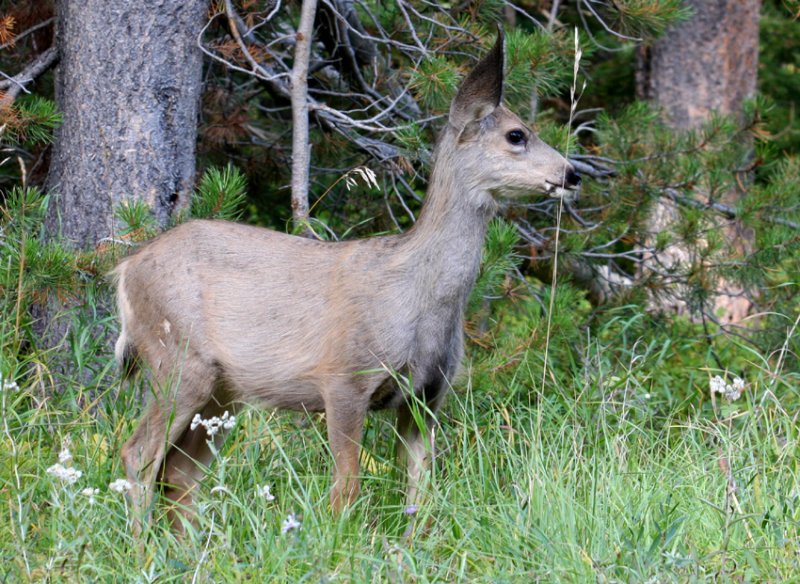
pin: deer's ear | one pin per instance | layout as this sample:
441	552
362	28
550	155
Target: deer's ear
482	91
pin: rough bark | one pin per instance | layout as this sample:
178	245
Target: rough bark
128	84
707	64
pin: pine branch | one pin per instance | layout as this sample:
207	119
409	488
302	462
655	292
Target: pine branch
725	210
28	31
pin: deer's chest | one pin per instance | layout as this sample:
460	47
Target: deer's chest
428	367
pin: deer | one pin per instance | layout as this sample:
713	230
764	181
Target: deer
222	314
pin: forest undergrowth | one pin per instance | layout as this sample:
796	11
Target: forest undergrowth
633	457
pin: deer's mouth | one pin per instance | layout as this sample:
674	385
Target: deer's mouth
558	191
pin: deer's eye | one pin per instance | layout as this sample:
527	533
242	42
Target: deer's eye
516	138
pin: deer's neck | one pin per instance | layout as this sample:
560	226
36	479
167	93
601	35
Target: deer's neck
446	243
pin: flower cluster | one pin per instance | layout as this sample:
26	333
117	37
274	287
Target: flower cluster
215	424
290	523
90	493
730	391
8	384
70	475
120	486
65	474
61	470
264	492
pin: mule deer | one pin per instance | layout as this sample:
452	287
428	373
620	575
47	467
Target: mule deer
222	314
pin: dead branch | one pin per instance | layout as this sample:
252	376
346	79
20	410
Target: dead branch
590	167
28	31
234	22
330	119
16	84
726	211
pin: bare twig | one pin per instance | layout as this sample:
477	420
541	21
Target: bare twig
591	168
588	4
551	18
16	84
386	40
233	25
330	118
524	13
588	31
726	211
411	28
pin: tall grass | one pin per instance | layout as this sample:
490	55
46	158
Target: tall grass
605	478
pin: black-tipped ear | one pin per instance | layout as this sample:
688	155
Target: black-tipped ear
482	91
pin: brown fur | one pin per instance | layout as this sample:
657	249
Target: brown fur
222	314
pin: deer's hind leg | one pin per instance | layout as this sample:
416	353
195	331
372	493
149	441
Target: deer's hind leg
176	398
184	463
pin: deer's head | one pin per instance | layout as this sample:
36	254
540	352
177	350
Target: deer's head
493	148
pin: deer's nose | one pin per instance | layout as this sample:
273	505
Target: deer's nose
572	179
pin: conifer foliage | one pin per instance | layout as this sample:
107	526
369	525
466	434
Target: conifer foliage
381	77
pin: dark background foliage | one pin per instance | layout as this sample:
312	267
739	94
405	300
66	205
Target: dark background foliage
381	79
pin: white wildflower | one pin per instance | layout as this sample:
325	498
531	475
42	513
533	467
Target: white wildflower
215	424
90	492
8	384
228	421
730	391
65	474
736	388
120	486
264	492
290	523
196	421
64	456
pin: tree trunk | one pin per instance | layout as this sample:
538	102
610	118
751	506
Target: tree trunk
128	84
705	65
301	149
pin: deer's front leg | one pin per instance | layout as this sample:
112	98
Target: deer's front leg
345	412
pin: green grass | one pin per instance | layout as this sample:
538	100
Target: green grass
606	478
